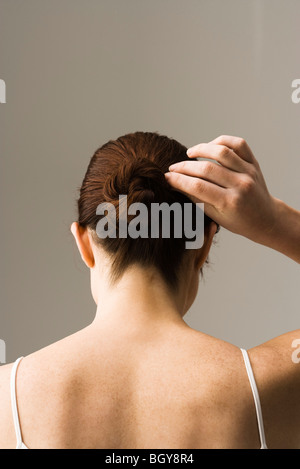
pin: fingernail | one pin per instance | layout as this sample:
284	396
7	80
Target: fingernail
172	167
167	175
189	151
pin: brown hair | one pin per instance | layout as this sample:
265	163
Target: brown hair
134	165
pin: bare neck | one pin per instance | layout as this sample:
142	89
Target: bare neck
138	299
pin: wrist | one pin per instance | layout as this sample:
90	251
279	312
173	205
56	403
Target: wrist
285	233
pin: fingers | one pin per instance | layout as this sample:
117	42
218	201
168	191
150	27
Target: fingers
237	144
208	171
196	189
221	153
208	182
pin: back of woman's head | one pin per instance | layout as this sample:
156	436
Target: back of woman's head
134	165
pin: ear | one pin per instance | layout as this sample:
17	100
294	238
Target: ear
83	242
202	253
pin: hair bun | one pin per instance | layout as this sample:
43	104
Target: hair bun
138	178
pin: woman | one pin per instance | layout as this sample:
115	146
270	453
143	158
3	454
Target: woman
138	376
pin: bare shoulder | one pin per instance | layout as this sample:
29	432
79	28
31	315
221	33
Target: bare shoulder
42	383
7	435
4	375
5	372
222	361
276	367
218	349
279	358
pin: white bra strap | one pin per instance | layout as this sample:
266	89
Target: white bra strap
256	400
14	405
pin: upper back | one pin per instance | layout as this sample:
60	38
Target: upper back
176	389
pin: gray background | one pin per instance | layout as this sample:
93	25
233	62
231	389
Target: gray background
80	72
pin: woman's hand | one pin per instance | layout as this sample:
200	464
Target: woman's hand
235	193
